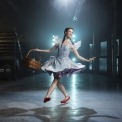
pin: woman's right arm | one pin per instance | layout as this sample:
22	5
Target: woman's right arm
80	57
48	50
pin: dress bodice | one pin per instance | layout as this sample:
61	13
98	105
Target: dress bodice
63	51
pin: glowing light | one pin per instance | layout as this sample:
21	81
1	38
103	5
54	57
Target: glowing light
73	40
73	36
53	40
78	9
65	6
73	59
53	44
75	18
90	66
64	3
73	85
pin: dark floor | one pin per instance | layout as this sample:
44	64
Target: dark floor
94	98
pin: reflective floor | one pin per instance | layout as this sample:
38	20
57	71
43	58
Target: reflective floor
94	98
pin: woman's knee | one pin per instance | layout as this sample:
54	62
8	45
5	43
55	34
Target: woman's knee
55	81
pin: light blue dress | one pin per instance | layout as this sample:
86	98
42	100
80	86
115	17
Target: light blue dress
61	65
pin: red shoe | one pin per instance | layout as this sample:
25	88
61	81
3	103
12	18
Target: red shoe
46	99
65	100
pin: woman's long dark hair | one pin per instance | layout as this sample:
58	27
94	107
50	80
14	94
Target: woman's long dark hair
66	29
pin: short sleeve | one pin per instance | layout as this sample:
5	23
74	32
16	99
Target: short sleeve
77	44
57	40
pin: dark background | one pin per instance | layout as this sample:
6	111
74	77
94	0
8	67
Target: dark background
98	26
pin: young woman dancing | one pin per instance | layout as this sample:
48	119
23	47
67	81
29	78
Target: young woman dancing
61	65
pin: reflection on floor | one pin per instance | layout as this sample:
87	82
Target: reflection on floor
94	98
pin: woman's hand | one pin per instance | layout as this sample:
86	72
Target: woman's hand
92	59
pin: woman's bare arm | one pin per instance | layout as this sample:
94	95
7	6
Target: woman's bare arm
80	57
48	50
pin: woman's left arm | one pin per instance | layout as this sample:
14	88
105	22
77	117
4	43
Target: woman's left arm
80	57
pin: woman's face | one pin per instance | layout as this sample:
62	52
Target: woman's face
69	33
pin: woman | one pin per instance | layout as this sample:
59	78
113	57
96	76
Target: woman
61	64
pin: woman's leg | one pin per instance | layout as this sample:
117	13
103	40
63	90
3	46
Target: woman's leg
62	88
52	87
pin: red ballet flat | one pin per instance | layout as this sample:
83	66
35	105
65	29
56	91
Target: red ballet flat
65	100
46	99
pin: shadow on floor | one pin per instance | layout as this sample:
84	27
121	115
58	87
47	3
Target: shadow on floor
53	114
